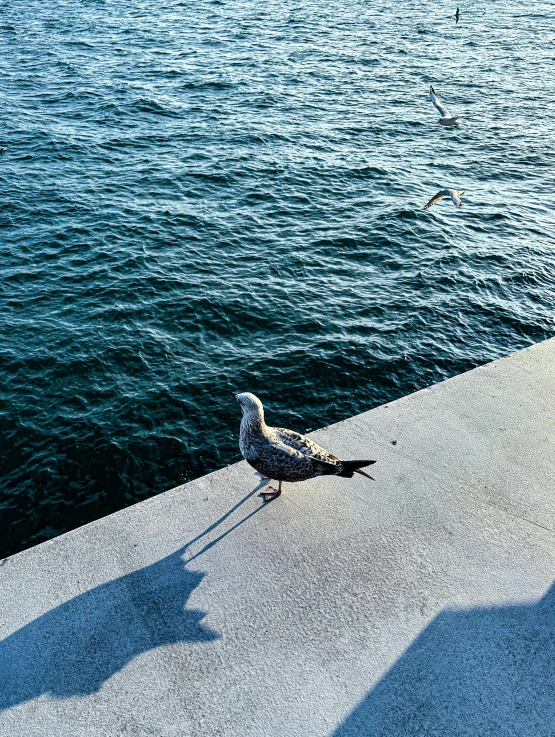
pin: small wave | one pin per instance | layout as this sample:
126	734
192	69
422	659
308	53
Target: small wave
207	85
147	105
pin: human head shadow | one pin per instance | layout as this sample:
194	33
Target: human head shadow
73	649
474	672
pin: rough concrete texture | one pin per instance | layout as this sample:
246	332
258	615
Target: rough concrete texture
420	604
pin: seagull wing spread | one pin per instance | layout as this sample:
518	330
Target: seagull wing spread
439	105
436	198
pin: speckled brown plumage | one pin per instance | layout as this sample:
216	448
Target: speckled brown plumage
285	455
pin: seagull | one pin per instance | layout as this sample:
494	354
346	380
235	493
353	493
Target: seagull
283	454
446	117
456	17
452	193
2	149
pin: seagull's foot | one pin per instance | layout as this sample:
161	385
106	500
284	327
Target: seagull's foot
270	494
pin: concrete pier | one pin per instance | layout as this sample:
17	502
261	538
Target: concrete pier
420	604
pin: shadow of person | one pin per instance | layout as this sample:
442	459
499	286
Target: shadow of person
476	672
73	649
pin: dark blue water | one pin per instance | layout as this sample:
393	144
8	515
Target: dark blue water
204	196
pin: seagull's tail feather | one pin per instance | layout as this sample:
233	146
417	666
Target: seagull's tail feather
348	468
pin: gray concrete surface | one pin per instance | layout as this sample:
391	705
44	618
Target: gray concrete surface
421	604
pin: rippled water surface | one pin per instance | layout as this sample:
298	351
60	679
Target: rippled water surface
203	196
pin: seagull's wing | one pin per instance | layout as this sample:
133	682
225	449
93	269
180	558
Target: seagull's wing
304	445
456	197
277	459
438	104
437	198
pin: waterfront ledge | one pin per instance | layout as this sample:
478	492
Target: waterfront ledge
419	604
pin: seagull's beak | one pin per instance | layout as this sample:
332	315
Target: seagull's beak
233	394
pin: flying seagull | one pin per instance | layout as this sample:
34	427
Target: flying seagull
446	117
285	455
457	17
452	193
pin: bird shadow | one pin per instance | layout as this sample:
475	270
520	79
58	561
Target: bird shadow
262	483
472	672
74	648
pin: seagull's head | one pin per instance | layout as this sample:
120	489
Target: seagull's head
250	404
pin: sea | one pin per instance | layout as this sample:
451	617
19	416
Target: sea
210	196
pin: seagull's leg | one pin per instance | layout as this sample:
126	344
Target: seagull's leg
271	493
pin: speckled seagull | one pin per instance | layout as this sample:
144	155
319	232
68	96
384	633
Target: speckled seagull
285	455
452	193
446	117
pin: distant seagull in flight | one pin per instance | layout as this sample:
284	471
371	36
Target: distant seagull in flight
446	117
452	193
457	17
